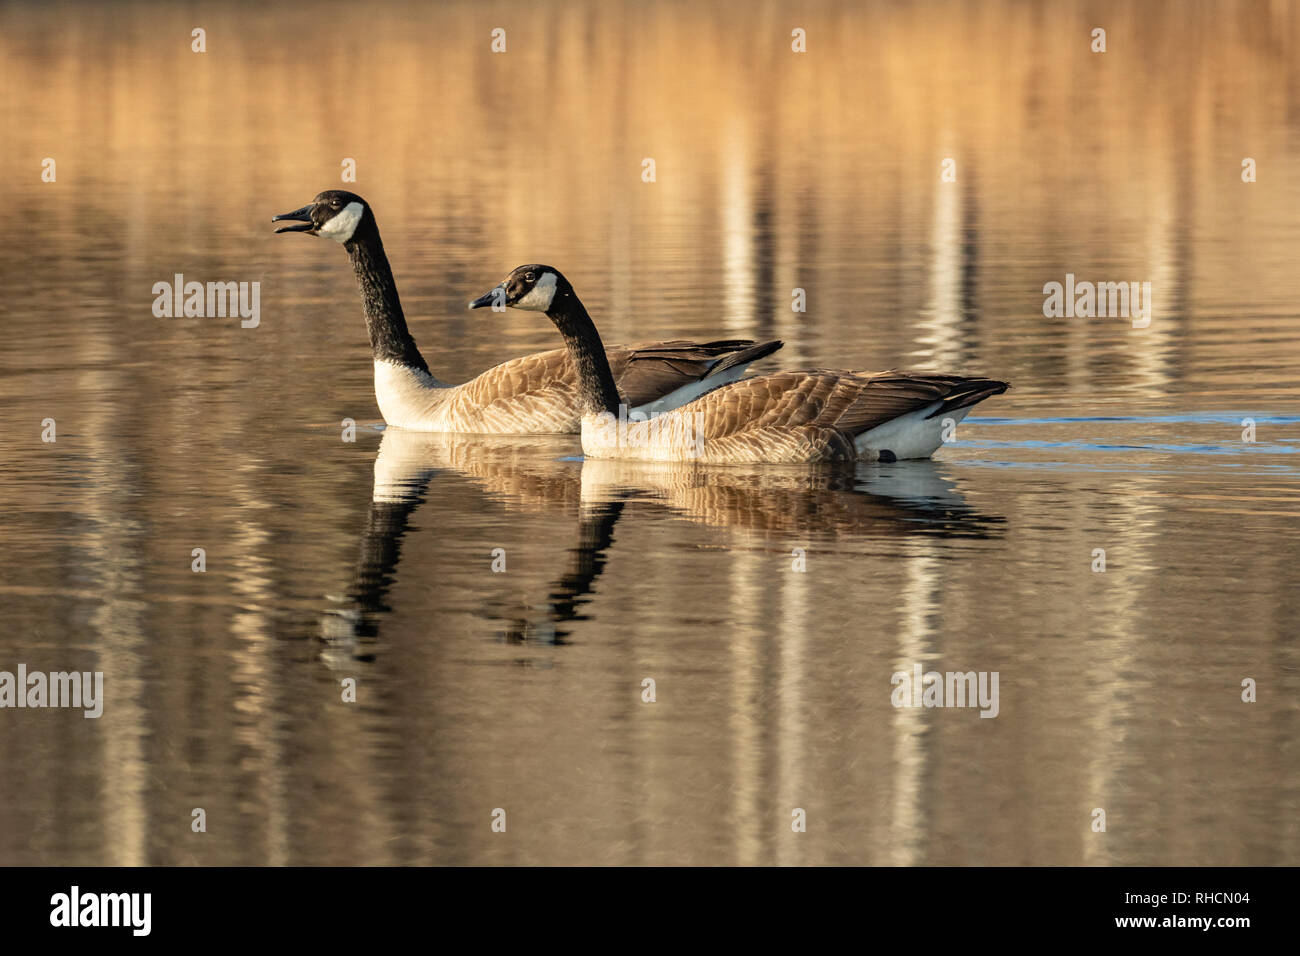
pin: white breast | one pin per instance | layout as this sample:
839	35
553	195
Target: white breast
408	397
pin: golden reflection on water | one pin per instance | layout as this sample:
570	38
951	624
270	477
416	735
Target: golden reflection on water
774	172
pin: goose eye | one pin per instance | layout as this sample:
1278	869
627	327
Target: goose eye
529	277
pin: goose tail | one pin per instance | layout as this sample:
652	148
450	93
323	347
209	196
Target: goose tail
888	431
967	392
744	357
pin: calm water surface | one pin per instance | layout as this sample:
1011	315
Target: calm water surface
522	690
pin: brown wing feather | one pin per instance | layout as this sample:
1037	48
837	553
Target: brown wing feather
848	402
538	392
535	391
645	373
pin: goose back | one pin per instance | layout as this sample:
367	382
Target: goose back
810	415
535	393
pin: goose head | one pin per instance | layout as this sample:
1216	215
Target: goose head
535	288
335	214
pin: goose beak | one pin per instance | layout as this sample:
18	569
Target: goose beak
302	215
490	299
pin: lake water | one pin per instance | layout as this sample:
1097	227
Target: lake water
769	606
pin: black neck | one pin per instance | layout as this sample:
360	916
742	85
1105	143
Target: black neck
389	339
596	389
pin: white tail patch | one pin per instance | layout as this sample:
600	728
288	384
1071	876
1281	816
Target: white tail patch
909	436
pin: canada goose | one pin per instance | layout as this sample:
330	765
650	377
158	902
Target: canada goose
809	415
534	394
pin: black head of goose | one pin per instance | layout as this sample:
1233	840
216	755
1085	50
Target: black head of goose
535	394
809	415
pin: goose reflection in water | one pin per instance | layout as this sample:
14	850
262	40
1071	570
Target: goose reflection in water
775	503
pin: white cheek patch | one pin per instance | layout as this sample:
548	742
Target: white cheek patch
539	296
341	227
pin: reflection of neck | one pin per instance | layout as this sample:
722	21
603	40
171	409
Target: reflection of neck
596	389
381	549
389	339
595	535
